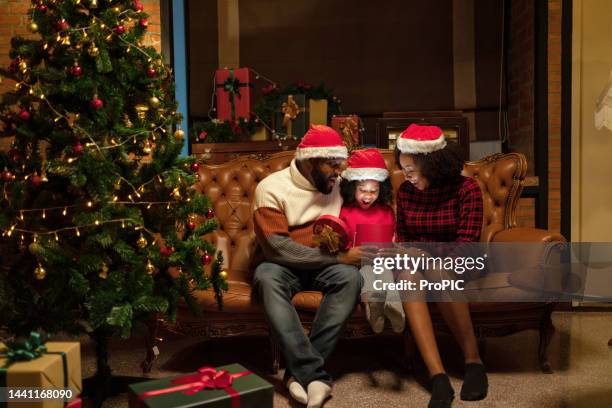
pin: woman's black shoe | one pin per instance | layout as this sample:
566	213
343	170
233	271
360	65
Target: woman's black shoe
442	393
475	384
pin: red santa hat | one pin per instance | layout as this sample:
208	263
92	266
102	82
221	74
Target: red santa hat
366	164
421	139
321	142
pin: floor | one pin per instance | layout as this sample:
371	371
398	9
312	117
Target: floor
369	373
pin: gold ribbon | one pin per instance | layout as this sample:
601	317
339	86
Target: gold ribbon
290	111
327	237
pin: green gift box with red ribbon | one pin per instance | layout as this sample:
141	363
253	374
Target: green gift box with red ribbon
230	386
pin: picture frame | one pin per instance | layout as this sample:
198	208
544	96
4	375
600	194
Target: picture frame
454	125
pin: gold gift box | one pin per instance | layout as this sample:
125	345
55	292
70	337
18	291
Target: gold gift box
46	371
317	109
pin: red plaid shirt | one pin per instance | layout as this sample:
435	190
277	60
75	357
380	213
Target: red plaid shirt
447	213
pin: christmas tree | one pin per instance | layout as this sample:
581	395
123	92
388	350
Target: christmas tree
97	205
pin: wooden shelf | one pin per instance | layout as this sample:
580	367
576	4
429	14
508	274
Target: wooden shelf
217	153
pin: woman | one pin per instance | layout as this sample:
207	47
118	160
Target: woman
437	204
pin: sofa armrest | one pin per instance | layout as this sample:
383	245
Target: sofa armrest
520	234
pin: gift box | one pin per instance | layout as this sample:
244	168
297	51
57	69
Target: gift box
374	234
33	363
317	111
230	386
331	234
291	117
348	127
233	93
259	135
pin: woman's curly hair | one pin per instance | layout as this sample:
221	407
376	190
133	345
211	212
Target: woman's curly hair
348	189
439	167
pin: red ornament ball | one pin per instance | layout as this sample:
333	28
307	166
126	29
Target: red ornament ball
206	259
195	167
210	213
7	175
62	25
77	148
191	225
166	251
42	8
144	22
202	136
24	115
35	180
151	73
120	29
138	6
76	70
97	103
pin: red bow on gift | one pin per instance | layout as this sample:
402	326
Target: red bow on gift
205	378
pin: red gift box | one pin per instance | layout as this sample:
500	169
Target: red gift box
348	127
233	93
374	233
331	233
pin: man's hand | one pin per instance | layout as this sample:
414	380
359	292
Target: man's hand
356	255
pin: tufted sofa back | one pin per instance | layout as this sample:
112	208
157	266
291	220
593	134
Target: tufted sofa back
230	187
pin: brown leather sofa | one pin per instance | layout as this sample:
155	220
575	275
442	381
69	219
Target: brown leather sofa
231	186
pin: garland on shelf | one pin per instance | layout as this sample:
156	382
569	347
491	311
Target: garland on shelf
217	131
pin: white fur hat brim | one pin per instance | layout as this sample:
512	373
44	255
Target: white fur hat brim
332	152
359	174
411	146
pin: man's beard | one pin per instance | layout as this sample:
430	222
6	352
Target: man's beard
321	182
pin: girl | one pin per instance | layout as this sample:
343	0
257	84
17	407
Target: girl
367	194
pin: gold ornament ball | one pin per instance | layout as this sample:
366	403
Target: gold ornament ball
150	268
33	27
142	242
103	271
223	274
154	102
32	248
179	134
93	51
40	273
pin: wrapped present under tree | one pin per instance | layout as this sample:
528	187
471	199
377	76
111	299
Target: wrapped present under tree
31	362
223	387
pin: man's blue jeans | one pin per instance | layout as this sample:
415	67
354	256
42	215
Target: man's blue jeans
305	355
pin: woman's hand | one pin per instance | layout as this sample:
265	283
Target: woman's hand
412	252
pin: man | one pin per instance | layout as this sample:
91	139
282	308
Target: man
285	206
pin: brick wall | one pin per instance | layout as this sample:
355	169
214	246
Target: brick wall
14	21
521	102
554	114
521	79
